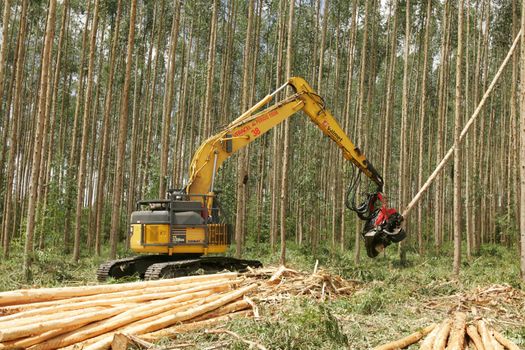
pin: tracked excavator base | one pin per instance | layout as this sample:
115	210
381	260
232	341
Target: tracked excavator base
152	267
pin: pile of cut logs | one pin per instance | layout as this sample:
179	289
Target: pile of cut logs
455	334
88	317
100	316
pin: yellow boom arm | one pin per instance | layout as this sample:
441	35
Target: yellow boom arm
249	126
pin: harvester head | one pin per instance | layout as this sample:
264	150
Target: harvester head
382	224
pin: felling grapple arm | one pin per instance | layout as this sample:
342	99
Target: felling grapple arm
315	108
254	123
249	126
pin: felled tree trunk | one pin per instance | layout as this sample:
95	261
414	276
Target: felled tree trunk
176	317
475	337
409	340
25	296
457	333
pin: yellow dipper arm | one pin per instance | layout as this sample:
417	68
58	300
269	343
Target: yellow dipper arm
248	127
323	118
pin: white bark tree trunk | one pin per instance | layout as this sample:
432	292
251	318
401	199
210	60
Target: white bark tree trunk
522	142
457	150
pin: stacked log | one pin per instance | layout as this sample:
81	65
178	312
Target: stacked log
89	317
100	316
455	334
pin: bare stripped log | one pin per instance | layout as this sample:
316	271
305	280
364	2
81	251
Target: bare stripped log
176	317
27	342
485	335
84	332
457	333
428	342
442	336
73	307
105	299
504	341
24	296
227	309
27	330
475	337
123	319
471	345
187	305
46	317
495	343
182	306
406	341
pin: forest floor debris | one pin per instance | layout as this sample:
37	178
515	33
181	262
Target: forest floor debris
283	283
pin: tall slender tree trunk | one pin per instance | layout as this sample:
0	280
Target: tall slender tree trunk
9	214
3	54
422	113
151	106
85	134
485	131
403	147
522	141
390	90
468	162
457	150
225	81
122	136
95	149
210	71
336	180
276	145
322	48
73	159
136	122
360	108
473	149
182	127
242	175
103	161
52	115
438	194
168	102
286	140
35	166
348	106
516	154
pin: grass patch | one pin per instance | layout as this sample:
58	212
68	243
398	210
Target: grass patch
301	324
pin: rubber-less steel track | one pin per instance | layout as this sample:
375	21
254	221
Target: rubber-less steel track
164	266
133	266
205	265
113	267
